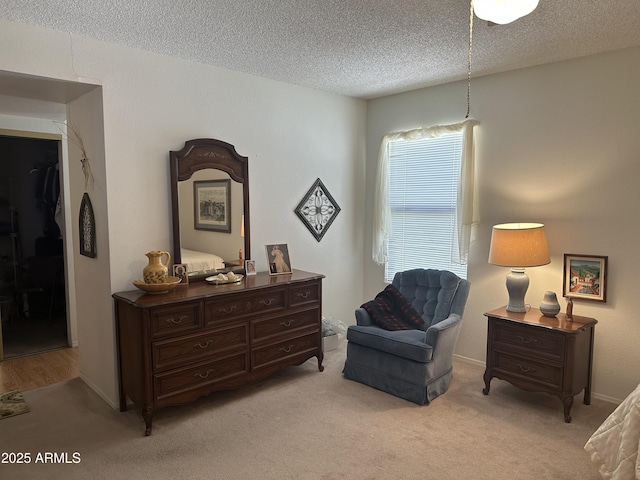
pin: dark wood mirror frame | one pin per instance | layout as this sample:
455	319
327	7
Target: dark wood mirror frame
199	154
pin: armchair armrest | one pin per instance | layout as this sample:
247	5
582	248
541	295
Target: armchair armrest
363	318
444	328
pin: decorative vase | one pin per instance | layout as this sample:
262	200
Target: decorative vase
156	271
550	306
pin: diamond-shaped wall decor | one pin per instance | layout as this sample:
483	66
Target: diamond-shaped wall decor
317	210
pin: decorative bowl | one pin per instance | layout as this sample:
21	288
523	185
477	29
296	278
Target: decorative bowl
170	284
222	279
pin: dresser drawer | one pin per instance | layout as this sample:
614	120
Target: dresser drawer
236	306
176	382
267	356
174	353
535	340
303	294
279	326
548	374
176	320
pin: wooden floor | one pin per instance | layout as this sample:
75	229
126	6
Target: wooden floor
34	371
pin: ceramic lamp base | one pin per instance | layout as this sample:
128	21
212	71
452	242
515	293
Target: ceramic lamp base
517	285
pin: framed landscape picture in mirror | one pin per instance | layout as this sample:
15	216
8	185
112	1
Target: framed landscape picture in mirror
278	259
212	205
585	277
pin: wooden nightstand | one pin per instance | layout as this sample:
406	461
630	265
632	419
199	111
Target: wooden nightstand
541	354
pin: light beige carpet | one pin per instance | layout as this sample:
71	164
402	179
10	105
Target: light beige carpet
303	424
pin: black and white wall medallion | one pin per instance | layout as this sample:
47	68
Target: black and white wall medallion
317	210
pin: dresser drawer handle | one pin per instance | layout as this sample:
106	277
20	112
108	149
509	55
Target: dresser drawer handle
286	349
227	310
266	303
200	375
304	294
177	321
287	323
199	344
526	340
524	369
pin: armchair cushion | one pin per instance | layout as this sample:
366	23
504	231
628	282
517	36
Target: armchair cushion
402	343
392	311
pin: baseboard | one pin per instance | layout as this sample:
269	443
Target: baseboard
100	393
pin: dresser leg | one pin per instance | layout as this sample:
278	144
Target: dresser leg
568	403
587	396
487	382
147	414
320	359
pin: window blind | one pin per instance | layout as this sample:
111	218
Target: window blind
423	185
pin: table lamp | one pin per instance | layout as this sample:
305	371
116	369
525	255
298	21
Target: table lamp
518	245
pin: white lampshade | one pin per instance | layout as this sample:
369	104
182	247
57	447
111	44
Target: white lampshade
503	11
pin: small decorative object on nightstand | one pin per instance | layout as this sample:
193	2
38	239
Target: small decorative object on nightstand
570	309
541	354
550	306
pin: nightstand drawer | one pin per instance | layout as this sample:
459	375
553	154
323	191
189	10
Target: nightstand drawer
536	340
550	375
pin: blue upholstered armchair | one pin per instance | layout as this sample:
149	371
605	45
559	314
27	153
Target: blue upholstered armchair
414	364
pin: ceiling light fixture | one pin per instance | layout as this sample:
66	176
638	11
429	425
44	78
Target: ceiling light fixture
503	11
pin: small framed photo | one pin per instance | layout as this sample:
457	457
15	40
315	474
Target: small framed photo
278	258
212	205
250	267
180	270
585	277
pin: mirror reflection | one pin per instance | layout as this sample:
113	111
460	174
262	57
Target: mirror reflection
210	207
204	243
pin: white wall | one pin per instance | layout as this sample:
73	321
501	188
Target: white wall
557	144
152	104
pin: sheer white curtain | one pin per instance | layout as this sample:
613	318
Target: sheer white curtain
467	216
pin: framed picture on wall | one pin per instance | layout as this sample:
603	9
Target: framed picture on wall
585	277
278	259
212	205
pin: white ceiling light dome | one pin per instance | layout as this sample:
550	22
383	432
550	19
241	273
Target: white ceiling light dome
503	11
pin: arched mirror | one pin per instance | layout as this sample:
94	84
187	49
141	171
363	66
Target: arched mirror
210	207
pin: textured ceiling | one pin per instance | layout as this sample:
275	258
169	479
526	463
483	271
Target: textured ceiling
360	48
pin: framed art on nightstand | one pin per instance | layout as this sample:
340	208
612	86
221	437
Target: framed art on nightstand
585	277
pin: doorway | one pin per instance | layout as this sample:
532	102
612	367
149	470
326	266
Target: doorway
32	276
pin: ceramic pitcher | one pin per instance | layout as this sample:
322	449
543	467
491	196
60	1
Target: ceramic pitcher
156	271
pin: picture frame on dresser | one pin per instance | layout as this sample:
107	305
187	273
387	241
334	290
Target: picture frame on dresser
278	259
585	277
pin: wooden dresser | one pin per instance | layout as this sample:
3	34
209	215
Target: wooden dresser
541	354
176	347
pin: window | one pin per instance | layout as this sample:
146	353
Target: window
424	176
